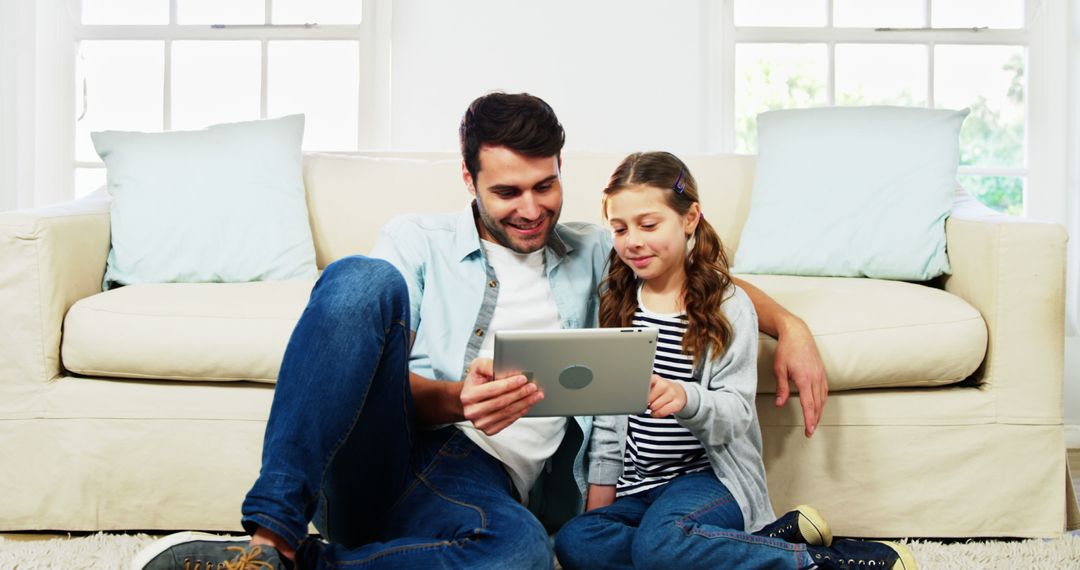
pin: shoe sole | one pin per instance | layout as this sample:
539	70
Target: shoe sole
907	558
813	526
166	542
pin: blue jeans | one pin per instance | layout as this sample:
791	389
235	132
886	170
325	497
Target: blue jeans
691	522
343	450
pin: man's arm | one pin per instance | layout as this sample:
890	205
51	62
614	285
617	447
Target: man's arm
797	359
491	405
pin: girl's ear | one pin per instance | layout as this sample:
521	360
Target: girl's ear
693	216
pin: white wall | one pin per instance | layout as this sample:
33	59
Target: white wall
621	74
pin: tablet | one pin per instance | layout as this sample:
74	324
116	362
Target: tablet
583	372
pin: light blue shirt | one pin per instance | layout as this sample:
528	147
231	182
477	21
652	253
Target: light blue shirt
453	292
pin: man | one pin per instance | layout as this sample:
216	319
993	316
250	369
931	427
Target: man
423	459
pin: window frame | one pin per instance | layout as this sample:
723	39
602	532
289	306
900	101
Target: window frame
372	35
1039	130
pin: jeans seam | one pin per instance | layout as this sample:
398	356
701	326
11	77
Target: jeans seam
480	511
421	477
277	527
681	523
747	538
352	426
398	550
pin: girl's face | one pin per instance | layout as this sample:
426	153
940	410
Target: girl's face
649	235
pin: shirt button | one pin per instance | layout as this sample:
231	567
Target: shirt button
493	283
479	332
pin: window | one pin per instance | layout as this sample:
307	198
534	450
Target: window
934	53
154	65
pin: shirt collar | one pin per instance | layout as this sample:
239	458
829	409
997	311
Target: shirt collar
467	238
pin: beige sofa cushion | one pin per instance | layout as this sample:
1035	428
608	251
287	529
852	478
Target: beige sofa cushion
871	333
351	196
874	333
204	331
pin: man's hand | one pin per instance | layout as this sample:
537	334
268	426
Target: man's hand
665	397
797	360
492	405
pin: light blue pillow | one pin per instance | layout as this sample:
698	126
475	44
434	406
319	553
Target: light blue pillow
222	204
852	192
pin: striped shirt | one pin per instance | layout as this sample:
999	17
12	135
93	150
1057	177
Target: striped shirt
660	449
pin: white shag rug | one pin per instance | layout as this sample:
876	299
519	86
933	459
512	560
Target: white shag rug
116	551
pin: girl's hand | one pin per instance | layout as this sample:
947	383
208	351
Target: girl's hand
665	397
599	496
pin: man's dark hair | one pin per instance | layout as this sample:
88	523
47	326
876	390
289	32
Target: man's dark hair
521	122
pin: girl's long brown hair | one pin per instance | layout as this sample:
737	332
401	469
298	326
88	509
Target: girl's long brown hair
707	275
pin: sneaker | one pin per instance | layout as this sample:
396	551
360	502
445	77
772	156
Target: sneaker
201	551
848	554
802	525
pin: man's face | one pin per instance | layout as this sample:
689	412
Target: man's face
519	197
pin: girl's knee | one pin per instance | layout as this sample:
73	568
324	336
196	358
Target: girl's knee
657	546
587	542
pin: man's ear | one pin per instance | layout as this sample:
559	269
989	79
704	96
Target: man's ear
468	179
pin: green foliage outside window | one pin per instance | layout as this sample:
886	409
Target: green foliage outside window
988	138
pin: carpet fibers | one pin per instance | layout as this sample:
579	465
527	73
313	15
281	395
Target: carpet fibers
28	552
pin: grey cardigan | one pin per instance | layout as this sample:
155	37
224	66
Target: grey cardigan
719	411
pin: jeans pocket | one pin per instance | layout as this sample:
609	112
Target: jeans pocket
458	446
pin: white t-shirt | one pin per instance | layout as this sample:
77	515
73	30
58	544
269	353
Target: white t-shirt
525	302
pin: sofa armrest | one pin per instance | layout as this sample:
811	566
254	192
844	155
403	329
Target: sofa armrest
52	257
1013	271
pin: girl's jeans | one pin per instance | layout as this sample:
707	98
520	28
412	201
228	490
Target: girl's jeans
691	522
343	449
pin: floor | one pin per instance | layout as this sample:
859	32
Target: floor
1074	467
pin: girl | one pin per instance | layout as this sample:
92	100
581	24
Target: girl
683	483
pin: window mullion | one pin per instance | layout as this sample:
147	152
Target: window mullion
264	78
930	46
166	92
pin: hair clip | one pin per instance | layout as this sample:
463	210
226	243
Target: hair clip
679	186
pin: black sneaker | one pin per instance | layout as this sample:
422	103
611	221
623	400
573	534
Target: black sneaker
200	551
802	525
846	554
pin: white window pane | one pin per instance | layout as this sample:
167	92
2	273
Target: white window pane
879	13
87	180
320	79
973	13
775	76
780	13
317	11
124	89
214	82
1002	193
990	80
218	12
871	74
125	12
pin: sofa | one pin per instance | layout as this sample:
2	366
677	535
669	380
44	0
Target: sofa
143	407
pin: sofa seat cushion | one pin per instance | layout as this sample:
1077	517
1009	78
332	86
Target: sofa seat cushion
874	333
196	331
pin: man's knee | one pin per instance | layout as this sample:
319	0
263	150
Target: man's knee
527	546
357	285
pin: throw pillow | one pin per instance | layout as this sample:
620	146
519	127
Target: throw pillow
222	204
852	192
